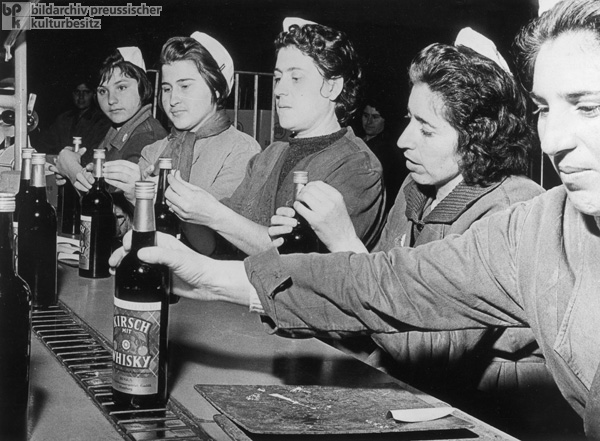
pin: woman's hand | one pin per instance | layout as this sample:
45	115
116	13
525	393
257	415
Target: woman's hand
191	203
84	178
68	163
195	276
282	223
324	209
122	174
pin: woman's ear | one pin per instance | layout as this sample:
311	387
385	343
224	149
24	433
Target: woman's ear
332	88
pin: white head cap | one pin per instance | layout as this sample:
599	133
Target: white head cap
133	54
219	53
482	45
290	21
545	5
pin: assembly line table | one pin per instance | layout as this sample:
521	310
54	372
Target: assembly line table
210	343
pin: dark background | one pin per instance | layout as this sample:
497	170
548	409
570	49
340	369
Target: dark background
386	33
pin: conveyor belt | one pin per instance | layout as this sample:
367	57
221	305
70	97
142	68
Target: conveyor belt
87	356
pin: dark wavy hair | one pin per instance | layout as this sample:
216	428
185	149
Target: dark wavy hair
116	61
566	16
334	56
187	48
484	104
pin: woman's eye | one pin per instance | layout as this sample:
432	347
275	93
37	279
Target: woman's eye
165	89
101	91
590	111
426	133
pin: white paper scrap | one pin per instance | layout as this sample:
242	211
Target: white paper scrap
418	415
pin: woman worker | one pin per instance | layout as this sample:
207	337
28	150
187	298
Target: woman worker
124	95
207	150
466	146
316	86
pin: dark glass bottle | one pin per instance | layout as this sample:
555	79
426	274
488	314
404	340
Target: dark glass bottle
166	221
15	326
98	225
24	190
37	238
69	204
302	239
141	313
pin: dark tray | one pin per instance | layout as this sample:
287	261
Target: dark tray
318	410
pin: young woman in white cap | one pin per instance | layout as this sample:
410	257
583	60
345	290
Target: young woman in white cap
207	150
316	87
124	94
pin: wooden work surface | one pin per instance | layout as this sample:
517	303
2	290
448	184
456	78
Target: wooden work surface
210	343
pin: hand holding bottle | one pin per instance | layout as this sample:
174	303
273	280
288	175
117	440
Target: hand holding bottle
84	178
191	203
123	174
193	275
324	209
68	163
282	223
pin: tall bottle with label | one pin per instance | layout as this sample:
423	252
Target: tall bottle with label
15	326
98	225
141	313
69	204
302	239
37	238
166	221
24	190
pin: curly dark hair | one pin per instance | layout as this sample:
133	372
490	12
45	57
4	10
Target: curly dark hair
187	48
484	104
130	70
334	56
566	16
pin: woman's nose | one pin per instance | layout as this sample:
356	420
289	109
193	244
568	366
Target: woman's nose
406	139
556	132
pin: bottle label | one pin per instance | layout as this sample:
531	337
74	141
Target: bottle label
85	229
136	337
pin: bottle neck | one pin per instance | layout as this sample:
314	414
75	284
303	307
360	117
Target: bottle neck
38	176
163	183
143	217
297	189
26	169
7	262
98	164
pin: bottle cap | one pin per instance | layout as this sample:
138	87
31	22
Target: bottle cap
144	190
38	158
26	153
165	163
300	177
99	153
7	202
76	139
